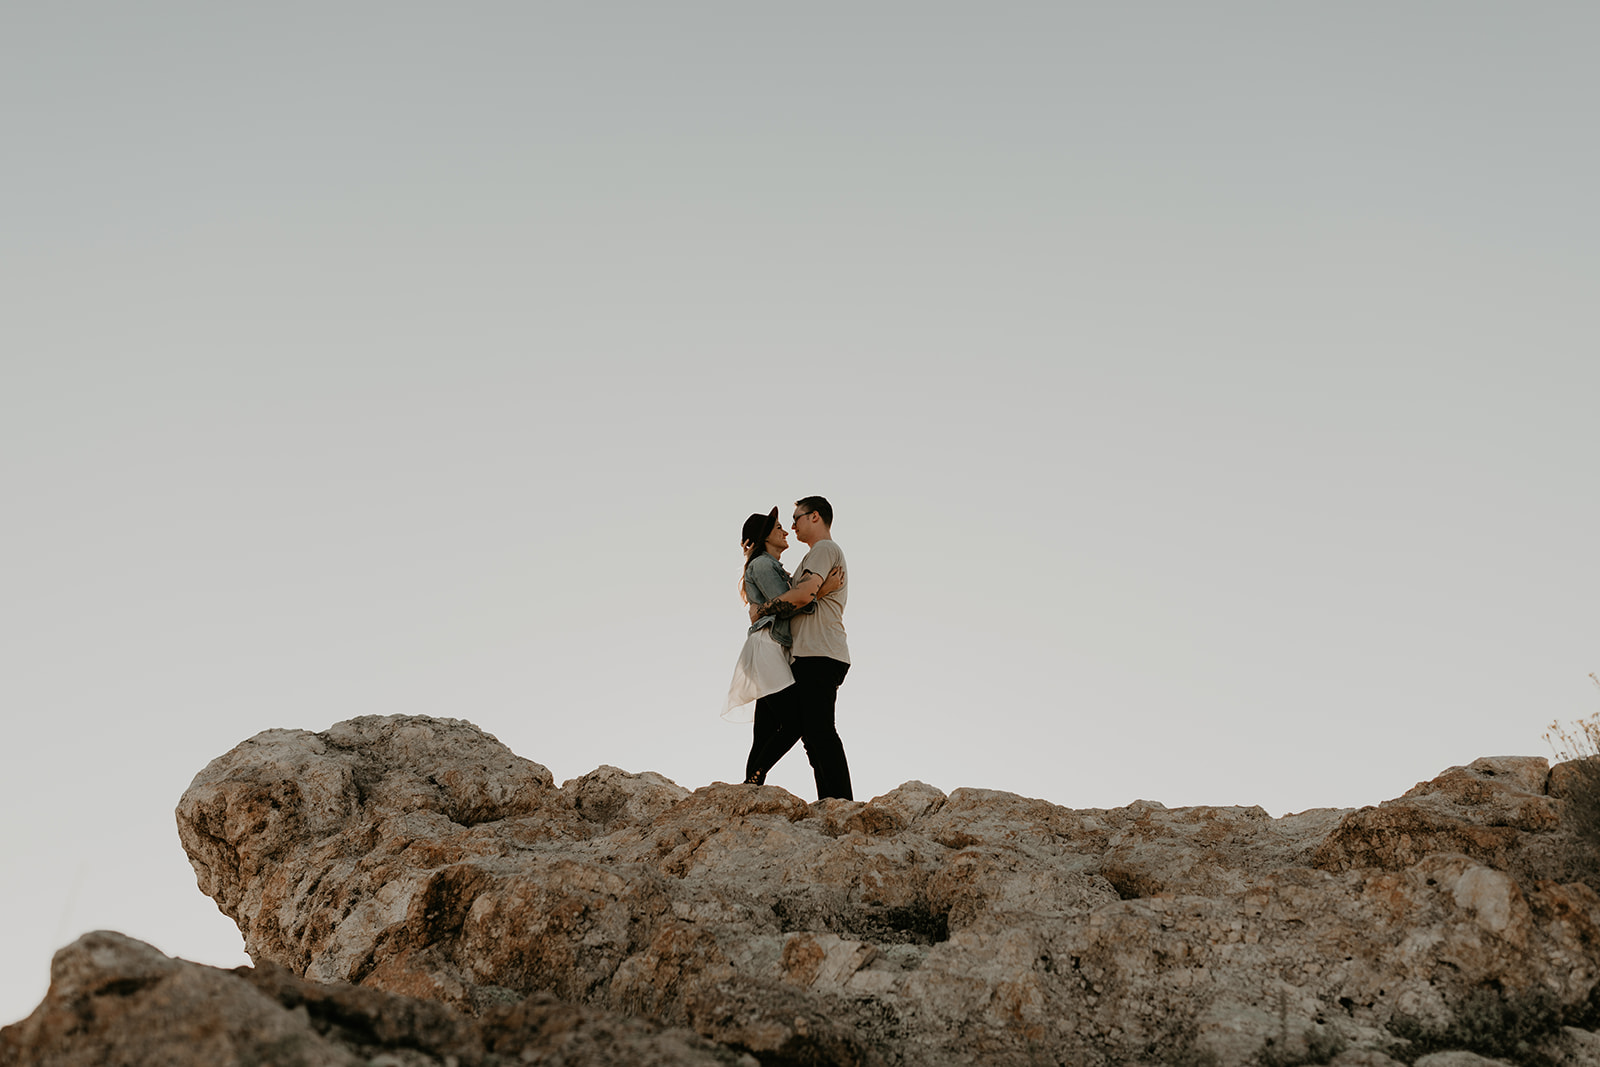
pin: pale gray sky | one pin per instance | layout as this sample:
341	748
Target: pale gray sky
1206	394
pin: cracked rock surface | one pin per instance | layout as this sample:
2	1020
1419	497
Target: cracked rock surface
420	857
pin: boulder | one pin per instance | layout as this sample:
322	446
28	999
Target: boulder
114	1000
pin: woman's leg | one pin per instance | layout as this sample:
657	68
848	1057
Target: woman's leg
775	733
766	724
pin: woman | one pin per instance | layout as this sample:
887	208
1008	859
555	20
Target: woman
762	673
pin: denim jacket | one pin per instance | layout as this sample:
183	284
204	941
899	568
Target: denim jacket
764	579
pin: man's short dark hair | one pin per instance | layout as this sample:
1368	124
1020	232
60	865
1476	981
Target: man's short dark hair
818	504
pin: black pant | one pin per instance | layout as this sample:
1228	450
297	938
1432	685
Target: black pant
804	712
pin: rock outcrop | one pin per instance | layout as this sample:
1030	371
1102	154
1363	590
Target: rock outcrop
419	858
117	1001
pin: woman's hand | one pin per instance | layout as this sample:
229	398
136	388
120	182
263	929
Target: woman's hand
834	580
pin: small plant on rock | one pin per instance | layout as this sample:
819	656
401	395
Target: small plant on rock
1321	1046
1577	750
1490	1021
1317	1045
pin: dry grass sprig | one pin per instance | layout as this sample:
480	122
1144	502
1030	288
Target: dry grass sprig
1581	739
1576	780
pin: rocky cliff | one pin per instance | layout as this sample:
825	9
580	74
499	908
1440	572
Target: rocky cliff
451	880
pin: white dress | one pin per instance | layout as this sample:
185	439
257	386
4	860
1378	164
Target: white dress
763	669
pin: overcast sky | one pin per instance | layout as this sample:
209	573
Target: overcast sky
1206	395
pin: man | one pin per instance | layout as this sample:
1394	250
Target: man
821	654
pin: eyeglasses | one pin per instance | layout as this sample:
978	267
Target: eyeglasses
800	515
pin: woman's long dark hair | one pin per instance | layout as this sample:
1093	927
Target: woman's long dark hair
752	549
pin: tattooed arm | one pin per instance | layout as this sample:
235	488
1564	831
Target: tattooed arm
804	592
796	599
776	606
780	606
769	591
786	604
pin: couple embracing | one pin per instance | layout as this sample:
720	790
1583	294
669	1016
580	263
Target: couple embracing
795	656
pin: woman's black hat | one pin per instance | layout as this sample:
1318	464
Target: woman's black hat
758	527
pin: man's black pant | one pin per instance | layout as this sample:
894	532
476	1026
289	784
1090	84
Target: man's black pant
804	712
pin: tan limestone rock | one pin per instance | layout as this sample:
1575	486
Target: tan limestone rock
419	856
114	1000
1483	810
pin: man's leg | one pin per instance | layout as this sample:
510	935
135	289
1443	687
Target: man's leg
776	731
817	678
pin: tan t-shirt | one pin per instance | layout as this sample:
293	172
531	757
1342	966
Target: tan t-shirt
820	632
